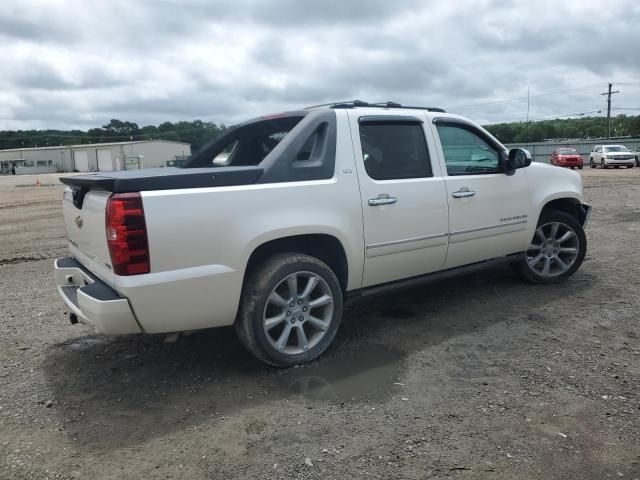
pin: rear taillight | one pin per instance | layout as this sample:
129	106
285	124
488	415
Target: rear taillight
127	234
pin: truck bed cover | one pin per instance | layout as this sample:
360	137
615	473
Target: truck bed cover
164	179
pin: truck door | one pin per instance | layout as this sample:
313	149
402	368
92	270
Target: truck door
403	197
489	211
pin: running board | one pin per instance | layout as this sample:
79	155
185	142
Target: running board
431	277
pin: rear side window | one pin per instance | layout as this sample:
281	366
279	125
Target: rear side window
247	144
393	151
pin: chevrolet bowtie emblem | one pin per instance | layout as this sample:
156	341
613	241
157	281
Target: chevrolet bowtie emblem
79	221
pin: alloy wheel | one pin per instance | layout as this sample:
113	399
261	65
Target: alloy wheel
298	313
554	249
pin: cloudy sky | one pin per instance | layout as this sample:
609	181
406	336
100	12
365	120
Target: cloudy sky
78	64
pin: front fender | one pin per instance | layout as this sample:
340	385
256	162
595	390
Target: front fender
548	184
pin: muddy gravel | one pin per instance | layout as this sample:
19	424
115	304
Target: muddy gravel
477	377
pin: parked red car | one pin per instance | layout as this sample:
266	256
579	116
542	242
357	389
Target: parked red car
566	157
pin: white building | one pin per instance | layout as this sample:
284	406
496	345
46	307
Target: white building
93	157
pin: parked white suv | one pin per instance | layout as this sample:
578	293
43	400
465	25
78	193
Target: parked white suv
314	208
611	155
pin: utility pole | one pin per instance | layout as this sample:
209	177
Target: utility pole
527	125
608	94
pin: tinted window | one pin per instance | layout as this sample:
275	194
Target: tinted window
394	150
466	153
567	151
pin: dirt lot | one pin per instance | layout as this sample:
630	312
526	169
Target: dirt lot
479	377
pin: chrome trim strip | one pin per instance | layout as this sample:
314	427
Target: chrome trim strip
407	240
441	235
480	229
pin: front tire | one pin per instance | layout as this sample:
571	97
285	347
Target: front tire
557	249
290	310
591	164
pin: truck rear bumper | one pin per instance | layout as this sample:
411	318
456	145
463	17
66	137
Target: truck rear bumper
93	302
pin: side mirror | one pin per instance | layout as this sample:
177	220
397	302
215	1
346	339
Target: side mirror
518	158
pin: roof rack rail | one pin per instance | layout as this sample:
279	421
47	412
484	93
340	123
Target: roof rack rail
360	103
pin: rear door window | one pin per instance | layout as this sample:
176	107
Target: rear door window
393	151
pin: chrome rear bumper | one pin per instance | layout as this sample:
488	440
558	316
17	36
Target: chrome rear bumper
92	301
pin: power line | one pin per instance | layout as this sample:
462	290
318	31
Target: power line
556	116
579	114
524	99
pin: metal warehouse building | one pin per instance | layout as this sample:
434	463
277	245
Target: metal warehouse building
93	157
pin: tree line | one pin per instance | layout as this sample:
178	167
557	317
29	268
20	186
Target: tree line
197	133
586	127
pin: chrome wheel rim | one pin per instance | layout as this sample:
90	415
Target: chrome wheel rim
554	249
298	313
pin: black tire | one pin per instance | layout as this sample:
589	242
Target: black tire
549	216
602	165
629	166
580	167
591	164
258	286
616	166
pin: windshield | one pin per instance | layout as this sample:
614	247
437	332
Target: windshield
616	148
567	151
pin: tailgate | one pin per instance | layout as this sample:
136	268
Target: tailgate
87	233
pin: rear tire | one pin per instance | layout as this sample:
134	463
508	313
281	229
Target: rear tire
580	167
290	310
557	249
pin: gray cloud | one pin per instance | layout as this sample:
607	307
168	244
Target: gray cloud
68	63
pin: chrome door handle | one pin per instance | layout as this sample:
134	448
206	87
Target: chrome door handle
463	192
382	199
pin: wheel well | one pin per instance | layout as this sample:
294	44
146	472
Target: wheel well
324	247
568	205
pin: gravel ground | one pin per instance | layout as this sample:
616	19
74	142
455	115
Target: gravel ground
478	377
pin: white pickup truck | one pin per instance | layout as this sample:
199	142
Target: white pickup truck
278	222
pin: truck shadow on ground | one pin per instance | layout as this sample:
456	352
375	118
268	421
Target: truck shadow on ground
110	392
